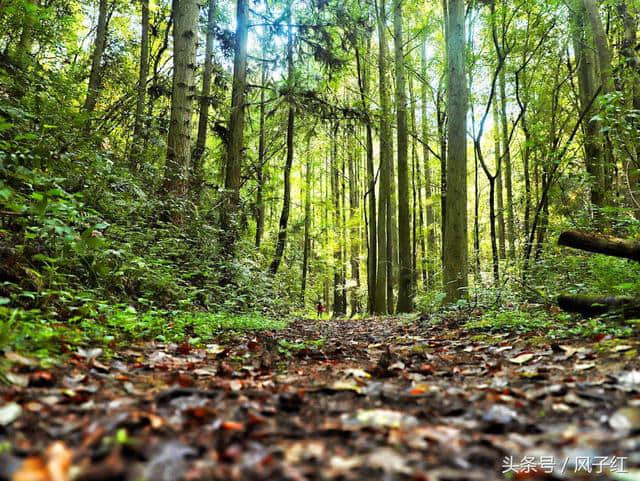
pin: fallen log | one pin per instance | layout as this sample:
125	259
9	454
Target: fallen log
601	244
591	306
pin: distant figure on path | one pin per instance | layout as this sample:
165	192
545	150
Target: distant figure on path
320	309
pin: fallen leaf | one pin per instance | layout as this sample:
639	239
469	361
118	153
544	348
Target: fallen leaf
379	418
622	348
17	379
344	385
9	413
584	367
54	466
232	426
389	461
522	358
357	373
626	419
20	359
90	354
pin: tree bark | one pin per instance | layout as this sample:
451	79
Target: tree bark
136	150
601	244
25	44
601	44
420	268
185	40
96	58
354	234
455	269
430	248
499	190
586	81
261	163
307	222
286	203
363	83
385	160
339	304
591	306
235	147
205	98
508	176
405	274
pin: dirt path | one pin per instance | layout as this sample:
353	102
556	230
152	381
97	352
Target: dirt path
349	400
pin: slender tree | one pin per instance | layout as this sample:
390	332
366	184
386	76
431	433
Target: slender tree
383	269
354	228
261	160
99	45
363	84
136	147
405	277
286	203
306	250
587	85
205	96
508	170
235	145
455	254
430	220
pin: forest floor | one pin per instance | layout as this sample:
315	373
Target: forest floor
351	400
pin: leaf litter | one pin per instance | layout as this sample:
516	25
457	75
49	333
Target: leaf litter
373	400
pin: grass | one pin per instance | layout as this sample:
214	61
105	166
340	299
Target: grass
516	320
31	332
549	326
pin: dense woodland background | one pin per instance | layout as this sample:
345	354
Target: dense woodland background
163	158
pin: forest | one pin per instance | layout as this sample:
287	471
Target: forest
319	239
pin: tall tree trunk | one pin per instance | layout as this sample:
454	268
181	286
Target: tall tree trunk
385	161
307	222
405	275
587	85
455	267
476	211
205	98
136	151
25	44
372	254
261	162
339	304
631	62
328	182
155	78
603	53
601	44
235	146
499	191
343	221
420	268
354	230
185	40
430	250
284	216
442	134
508	177
96	58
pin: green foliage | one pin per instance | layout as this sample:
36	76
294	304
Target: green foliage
512	320
287	347
429	301
30	331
